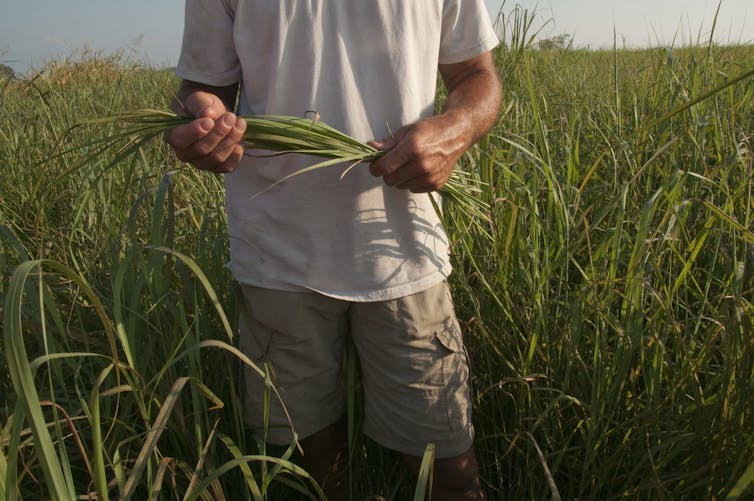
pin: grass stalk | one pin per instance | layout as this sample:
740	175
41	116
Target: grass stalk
280	135
608	317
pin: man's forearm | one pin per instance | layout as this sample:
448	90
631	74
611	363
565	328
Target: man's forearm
474	97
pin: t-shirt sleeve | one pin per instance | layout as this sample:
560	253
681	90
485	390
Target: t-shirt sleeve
208	53
466	31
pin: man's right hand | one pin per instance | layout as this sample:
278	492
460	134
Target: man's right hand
214	141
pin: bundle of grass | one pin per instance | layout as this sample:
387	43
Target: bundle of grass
290	135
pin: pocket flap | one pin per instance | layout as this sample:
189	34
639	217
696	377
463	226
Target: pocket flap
450	337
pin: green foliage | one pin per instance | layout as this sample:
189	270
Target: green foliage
614	328
609	322
6	72
557	42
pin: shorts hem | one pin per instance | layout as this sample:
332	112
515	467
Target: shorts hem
443	448
282	435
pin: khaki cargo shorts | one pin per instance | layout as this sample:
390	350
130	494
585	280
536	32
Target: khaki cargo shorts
414	368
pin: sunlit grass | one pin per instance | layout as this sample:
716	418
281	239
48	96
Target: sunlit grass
609	319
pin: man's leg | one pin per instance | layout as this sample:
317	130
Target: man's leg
454	479
326	459
300	338
416	385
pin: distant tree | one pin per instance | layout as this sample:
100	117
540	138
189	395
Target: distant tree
6	72
560	42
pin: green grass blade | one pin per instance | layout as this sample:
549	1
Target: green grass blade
202	458
98	449
424	481
3	473
319	165
23	381
158	427
243	359
210	291
287	465
742	485
156	488
248	476
14	439
702	97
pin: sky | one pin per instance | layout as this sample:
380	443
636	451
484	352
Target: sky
643	23
35	31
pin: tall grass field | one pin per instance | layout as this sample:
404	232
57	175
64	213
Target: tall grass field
607	302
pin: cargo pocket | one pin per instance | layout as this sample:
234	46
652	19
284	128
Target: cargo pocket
455	373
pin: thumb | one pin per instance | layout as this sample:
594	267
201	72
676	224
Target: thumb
383	144
390	141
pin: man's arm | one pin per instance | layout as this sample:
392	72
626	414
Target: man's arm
214	141
422	155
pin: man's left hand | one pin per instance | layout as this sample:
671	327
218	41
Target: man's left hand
420	157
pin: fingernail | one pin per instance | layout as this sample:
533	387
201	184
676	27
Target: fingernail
206	124
229	120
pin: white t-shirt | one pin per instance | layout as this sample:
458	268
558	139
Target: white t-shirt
367	67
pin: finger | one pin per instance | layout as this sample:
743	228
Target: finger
228	165
393	160
206	145
392	140
383	144
405	174
184	136
419	185
232	139
417	179
227	147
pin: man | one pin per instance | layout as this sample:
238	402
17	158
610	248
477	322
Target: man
319	257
